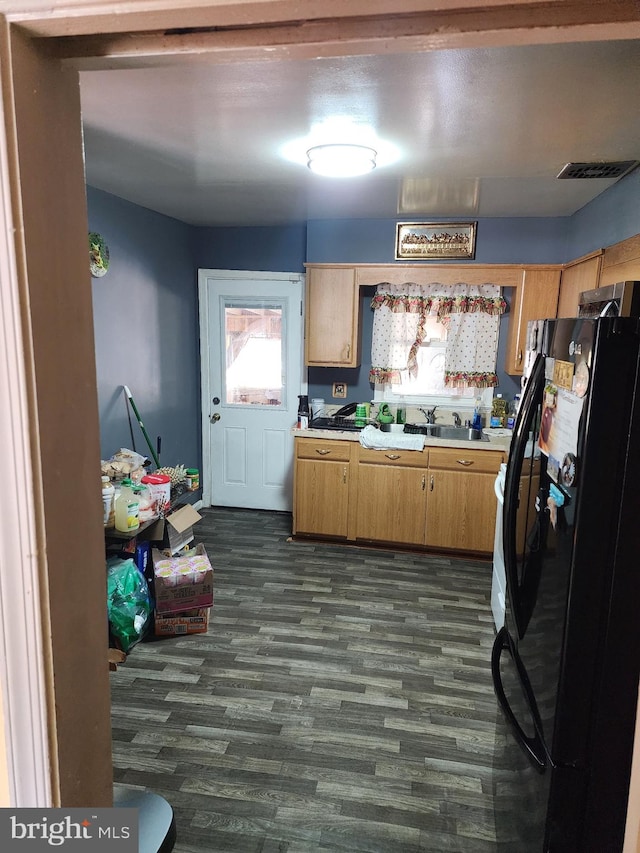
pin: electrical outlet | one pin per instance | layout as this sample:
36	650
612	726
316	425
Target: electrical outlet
339	390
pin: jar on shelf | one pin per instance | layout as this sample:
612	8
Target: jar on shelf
193	479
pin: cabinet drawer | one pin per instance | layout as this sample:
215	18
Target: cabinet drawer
461	459
405	458
335	451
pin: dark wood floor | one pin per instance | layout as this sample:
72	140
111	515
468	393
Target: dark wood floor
341	700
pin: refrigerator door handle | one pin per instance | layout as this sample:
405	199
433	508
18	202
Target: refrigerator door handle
532	395
532	746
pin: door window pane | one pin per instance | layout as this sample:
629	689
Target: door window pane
253	349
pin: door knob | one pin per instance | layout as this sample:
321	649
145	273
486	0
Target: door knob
215	417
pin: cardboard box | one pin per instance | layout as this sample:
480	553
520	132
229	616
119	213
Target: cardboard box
182	583
176	529
175	624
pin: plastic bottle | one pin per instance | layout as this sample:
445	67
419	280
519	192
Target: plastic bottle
127	509
513	412
476	423
108	502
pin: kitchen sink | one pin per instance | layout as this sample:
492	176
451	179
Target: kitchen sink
451	433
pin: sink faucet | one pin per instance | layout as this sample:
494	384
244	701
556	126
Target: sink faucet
430	414
456	419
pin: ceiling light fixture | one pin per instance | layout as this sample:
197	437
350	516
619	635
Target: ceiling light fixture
341	161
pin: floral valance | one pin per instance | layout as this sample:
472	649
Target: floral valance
471	314
440	304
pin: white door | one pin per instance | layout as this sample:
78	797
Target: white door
251	334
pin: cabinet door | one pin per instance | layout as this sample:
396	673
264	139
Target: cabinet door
536	299
332	329
321	497
576	278
461	510
391	504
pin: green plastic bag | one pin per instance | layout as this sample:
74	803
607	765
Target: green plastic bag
129	603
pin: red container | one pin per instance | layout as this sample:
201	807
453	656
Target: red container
160	486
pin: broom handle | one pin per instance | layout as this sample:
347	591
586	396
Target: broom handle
141	425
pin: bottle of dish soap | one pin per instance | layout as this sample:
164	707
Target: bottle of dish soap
476	423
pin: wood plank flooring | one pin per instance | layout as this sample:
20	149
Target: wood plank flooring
340	701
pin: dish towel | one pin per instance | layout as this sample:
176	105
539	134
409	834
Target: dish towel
374	439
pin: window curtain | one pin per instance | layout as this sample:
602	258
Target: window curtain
471	314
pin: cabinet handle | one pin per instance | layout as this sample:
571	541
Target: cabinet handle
465	462
322	451
348	352
392	455
344	475
431	484
424	482
519	357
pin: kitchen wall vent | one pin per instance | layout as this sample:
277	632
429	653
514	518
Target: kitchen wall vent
615	169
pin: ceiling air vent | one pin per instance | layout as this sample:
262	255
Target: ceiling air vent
585	171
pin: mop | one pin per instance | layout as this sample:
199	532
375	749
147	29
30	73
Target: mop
141	425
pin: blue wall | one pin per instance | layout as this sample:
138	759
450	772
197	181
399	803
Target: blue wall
146	330
498	241
611	217
146	309
258	249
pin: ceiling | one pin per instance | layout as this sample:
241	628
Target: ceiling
478	132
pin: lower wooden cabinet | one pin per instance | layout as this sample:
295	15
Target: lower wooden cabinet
440	498
392	496
321	487
461	505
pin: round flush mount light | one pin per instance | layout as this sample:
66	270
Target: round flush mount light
341	160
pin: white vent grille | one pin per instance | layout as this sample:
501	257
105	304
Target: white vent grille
586	171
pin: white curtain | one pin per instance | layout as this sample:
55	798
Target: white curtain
471	314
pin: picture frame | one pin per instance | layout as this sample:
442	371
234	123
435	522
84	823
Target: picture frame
435	241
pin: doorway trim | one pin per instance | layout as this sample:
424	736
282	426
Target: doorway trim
25	773
585	21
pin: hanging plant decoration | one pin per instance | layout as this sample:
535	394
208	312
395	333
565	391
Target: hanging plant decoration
98	255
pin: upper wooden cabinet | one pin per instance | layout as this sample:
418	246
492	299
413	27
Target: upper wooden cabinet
332	327
535	299
583	274
621	262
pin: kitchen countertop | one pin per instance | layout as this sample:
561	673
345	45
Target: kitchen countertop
498	439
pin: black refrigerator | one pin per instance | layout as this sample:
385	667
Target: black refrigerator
566	663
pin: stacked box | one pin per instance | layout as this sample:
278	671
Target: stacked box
182	582
188	622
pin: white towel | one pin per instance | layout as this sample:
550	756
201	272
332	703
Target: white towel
375	439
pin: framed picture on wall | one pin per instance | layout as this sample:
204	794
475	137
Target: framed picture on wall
435	240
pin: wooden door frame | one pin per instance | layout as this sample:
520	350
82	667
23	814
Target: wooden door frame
52	390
